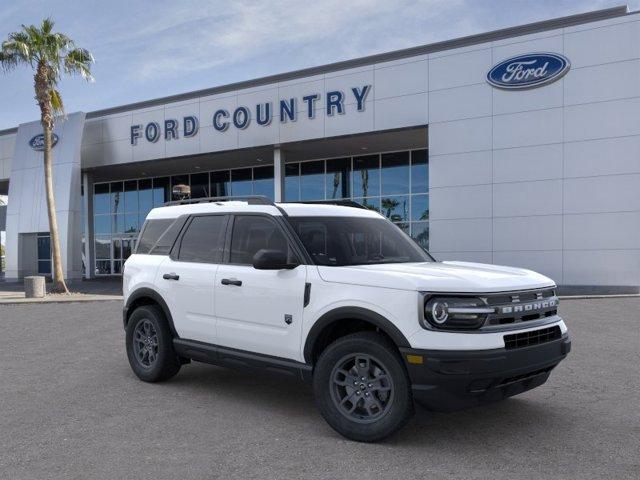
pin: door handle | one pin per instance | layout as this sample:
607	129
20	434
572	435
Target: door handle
171	276
231	281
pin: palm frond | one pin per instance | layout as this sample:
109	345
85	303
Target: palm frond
56	102
78	61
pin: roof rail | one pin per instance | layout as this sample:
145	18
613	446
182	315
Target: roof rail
250	199
342	203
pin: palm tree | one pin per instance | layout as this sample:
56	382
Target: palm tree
49	54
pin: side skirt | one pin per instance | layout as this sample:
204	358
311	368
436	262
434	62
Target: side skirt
240	359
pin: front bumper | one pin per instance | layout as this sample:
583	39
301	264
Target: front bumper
454	380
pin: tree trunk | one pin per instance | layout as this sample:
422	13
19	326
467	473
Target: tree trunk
59	285
43	97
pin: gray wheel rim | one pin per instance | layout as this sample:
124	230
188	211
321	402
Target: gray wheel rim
145	343
361	388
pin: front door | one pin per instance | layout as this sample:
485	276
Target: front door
259	310
187	278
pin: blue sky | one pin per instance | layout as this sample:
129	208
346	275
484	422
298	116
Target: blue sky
148	49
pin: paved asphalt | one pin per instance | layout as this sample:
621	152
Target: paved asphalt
70	408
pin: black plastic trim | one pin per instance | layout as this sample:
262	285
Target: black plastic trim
157	298
352	313
240	359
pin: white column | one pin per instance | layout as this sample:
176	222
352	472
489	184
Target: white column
278	174
87	204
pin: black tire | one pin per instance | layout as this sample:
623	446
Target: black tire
334	390
151	361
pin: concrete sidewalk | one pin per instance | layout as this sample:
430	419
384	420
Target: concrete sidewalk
81	291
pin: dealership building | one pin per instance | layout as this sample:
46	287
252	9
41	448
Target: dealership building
517	147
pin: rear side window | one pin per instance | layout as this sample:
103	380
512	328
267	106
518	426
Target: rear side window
203	241
152	232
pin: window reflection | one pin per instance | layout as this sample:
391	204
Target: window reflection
394	184
311	180
366	176
395	173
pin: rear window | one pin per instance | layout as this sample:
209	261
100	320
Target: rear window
158	236
203	241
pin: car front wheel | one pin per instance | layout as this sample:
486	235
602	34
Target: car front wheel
362	388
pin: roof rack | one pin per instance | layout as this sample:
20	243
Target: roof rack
250	199
342	203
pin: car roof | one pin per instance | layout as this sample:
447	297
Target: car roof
239	206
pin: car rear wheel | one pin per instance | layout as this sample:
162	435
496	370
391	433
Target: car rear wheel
362	388
150	345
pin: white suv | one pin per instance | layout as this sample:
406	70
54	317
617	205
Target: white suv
338	296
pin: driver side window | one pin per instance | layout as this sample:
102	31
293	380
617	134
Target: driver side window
252	233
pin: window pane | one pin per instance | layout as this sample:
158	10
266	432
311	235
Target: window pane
204	240
131	223
117	267
103	267
292	182
102	224
420	171
127	247
44	267
420	207
396	209
241	182
420	232
44	248
145	197
160	191
254	233
338	241
395	173
220	184
131	196
117	197
153	229
366	176
199	185
338	178
263	181
101	198
312	180
117	223
117	248
102	245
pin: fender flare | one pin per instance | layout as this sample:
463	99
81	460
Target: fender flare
355	313
144	292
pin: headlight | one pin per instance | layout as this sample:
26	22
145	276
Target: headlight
455	312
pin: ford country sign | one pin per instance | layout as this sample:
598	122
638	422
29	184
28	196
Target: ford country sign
528	71
37	142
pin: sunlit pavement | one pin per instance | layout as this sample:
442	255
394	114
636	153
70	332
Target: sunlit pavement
71	408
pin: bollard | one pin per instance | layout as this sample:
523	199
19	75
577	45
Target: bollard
34	287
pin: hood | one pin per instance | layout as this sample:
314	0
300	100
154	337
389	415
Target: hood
450	277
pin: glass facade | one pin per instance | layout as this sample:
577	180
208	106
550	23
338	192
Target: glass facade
120	208
393	183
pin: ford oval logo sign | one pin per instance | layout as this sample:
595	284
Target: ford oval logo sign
528	71
37	142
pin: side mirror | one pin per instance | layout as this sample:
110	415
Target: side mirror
272	260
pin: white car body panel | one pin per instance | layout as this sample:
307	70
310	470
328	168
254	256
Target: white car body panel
252	317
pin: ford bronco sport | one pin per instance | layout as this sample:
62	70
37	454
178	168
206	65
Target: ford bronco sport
340	297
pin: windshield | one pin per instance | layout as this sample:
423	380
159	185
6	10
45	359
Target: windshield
340	241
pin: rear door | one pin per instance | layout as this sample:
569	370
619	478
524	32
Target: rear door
259	310
187	277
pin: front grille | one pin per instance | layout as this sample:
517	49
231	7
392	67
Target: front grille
525	306
534	337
